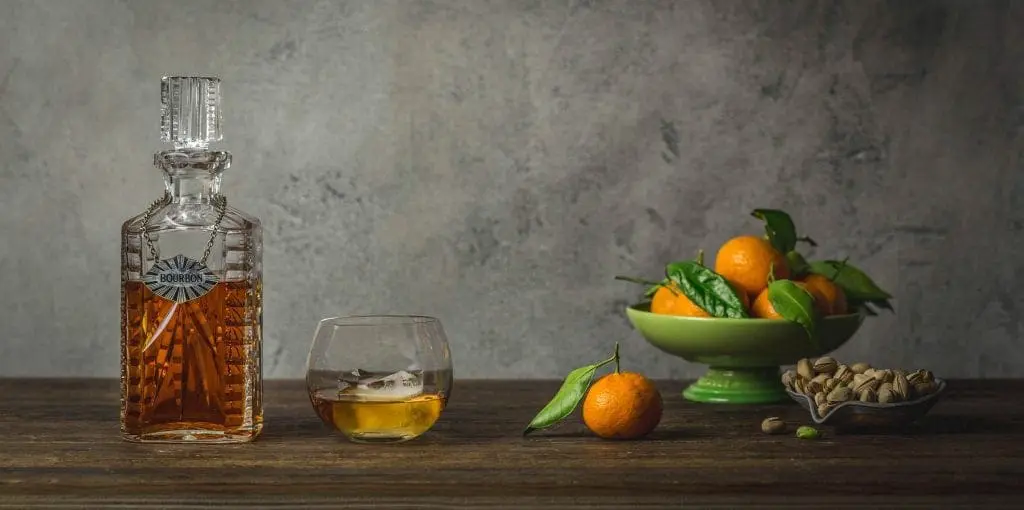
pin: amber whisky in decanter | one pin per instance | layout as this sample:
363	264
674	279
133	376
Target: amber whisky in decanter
191	298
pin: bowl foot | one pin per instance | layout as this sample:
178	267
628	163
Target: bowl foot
738	386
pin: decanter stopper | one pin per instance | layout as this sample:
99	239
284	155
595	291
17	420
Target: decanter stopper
190	114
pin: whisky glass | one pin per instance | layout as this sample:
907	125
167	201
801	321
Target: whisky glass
379	378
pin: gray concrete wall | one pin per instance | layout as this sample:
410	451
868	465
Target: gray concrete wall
495	163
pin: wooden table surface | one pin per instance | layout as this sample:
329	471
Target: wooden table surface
59	446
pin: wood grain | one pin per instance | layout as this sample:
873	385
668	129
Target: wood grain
60	446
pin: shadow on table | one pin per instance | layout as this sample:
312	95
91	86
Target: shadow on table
659	434
943	424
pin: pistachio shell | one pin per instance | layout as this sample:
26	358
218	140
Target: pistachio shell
814	386
773	425
819	398
840	394
867	384
900	387
787	378
886	395
831	384
867	395
860	368
823	409
798	385
928	376
924	388
915	377
825	365
804	368
843	374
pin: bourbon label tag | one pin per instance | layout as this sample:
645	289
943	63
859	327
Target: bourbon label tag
180	279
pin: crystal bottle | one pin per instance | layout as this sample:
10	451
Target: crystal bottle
191	289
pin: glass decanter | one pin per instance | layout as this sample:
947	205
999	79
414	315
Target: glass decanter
191	300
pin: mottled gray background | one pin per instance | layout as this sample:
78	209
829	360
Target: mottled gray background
495	163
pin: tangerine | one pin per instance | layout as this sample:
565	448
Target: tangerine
831	293
670	300
746	261
622	405
763	308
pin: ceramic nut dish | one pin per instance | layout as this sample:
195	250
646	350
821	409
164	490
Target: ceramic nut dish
861	397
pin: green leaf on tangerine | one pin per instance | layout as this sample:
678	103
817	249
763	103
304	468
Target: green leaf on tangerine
794	304
798	266
565	400
707	289
779	227
855	283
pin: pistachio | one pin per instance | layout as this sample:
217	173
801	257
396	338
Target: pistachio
819	398
805	369
882	376
870	372
915	377
840	394
823	409
831	384
900	387
889	375
886	395
787	378
885	386
825	365
867	395
773	425
866	384
843	374
924	388
859	378
817	384
798	386
860	368
806	432
927	376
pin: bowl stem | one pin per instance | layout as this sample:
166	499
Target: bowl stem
758	385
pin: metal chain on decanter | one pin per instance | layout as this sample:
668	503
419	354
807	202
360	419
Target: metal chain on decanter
220	203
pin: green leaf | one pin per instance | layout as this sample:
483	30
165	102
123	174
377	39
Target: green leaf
652	285
867	309
855	283
798	266
566	399
707	289
871	304
884	304
779	227
794	304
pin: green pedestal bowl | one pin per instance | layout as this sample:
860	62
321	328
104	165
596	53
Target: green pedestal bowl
743	355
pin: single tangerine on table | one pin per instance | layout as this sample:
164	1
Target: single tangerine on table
746	261
622	405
